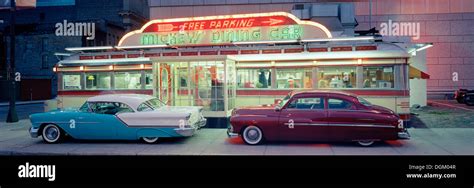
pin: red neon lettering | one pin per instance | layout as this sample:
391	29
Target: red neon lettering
213	24
226	24
250	22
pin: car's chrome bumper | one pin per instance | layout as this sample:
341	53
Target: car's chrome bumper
230	132
201	123
34	132
185	131
191	130
404	134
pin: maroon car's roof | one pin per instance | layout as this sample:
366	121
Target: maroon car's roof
323	92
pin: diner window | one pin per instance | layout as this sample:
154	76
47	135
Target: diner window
379	77
294	78
183	77
148	80
72	82
254	78
337	77
128	80
97	80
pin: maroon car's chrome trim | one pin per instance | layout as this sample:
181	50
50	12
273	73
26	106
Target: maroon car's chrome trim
342	125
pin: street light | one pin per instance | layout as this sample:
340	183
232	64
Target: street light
12	115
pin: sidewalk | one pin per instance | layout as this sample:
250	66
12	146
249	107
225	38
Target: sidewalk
22	102
15	140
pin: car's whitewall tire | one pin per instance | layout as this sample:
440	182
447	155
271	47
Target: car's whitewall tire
51	133
252	135
150	140
365	143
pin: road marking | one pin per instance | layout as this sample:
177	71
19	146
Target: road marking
452	106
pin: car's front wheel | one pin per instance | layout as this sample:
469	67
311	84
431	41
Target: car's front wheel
365	143
252	135
51	134
150	140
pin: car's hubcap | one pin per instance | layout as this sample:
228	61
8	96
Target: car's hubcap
253	134
51	133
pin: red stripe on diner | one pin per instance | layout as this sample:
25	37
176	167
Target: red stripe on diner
152	54
189	53
271	51
249	52
86	57
133	55
262	92
318	49
208	52
171	54
117	56
380	92
251	92
342	48
103	92
293	50
101	57
229	52
366	48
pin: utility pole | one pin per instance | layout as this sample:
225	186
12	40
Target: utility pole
12	115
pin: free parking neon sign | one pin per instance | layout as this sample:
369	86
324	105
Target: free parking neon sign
214	30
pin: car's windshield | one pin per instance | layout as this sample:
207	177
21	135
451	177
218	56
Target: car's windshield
364	102
151	104
284	100
84	107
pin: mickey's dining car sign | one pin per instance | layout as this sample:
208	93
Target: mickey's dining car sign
214	30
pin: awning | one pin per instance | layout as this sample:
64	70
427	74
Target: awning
417	73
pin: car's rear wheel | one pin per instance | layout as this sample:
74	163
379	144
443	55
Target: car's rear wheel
51	134
365	143
252	135
468	101
150	140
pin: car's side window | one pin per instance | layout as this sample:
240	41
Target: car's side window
339	104
110	108
144	107
310	103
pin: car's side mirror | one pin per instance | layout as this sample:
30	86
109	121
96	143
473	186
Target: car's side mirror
277	108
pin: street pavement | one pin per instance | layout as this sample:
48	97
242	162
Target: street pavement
15	140
23	110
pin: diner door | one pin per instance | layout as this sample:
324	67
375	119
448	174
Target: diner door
173	87
165	89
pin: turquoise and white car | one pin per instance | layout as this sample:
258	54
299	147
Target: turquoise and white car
118	117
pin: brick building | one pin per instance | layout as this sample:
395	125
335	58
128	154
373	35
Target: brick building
37	43
449	24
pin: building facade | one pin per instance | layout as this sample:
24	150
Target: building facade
448	24
37	38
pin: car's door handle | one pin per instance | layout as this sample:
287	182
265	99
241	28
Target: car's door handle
80	117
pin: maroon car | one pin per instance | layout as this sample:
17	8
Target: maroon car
317	116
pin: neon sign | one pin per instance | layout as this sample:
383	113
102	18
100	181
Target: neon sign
215	30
